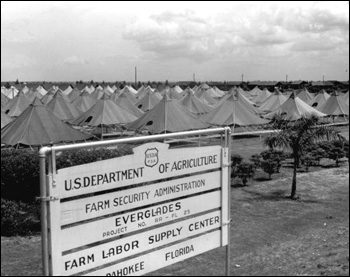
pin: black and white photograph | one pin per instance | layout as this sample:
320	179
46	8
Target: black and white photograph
175	138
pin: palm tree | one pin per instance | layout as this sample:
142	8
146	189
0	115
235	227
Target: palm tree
297	136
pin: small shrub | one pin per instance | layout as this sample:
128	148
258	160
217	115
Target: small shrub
269	167
19	219
245	171
308	160
325	145
83	156
274	155
19	175
235	161
256	160
335	150
346	149
318	154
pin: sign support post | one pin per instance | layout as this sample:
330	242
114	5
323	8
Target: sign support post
228	247
43	212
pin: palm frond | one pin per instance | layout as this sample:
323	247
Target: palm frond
299	134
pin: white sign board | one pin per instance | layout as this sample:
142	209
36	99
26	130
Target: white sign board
119	201
123	224
105	253
150	162
134	214
161	258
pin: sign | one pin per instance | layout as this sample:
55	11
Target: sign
151	157
123	224
105	253
135	214
132	169
97	206
161	258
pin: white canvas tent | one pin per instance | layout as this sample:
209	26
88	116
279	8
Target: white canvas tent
294	109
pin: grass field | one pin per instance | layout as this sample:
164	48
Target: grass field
270	234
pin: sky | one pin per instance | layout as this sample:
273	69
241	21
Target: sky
174	41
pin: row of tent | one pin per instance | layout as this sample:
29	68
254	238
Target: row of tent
265	100
210	93
257	94
13	91
171	110
335	104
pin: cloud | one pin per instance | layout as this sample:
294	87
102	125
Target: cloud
253	28
318	43
17	33
318	18
16	61
169	38
176	35
75	60
263	32
186	35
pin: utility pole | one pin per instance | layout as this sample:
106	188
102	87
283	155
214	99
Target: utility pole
194	77
242	78
323	78
286	78
135	76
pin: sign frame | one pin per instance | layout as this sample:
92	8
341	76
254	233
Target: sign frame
50	193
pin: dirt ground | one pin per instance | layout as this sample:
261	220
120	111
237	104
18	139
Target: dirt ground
270	234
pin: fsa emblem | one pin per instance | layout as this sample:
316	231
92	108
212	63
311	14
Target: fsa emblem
151	157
